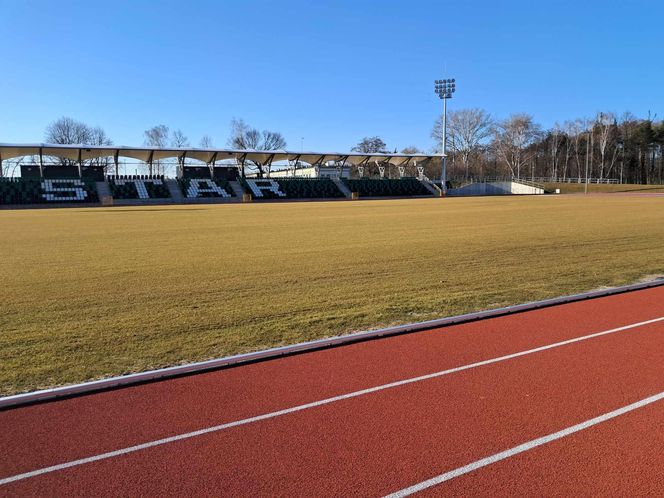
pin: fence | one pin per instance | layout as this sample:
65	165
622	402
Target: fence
605	181
537	181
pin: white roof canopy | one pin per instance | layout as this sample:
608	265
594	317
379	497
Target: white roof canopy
147	154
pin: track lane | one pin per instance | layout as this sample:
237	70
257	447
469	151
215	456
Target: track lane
622	457
380	443
48	434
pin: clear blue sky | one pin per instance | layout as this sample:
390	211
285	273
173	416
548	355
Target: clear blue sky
331	72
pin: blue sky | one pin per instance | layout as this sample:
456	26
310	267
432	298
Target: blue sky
328	72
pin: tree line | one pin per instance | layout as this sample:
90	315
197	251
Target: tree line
607	146
69	131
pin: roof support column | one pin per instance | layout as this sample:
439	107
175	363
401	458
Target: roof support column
1	172
149	161
41	163
212	163
243	157
80	164
181	164
295	163
343	165
388	162
269	165
381	169
420	170
116	160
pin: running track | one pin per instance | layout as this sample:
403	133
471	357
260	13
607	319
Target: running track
561	401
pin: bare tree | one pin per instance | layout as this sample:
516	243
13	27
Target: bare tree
467	130
98	137
567	127
8	167
245	137
556	138
512	137
206	142
72	132
242	136
371	145
272	140
157	136
606	126
180	141
576	131
67	131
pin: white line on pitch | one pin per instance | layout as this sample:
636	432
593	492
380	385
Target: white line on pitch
354	394
439	479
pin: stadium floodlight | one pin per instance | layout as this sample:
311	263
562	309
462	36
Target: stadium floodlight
444	89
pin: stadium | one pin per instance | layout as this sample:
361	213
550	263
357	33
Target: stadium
475	309
87	182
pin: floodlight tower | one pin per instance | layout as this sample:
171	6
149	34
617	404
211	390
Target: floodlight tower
445	89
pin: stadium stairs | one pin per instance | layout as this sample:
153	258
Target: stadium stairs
174	189
430	187
342	186
104	191
237	189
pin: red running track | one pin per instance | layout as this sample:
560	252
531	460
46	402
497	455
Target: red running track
384	441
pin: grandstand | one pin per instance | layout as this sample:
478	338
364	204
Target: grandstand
65	174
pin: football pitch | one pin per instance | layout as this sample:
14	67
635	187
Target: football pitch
94	292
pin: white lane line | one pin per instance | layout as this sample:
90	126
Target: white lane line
434	481
354	394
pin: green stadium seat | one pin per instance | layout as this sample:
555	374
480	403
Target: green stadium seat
386	187
47	191
291	188
193	188
138	187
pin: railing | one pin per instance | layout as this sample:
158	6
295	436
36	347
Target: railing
604	181
528	183
538	181
493	179
426	179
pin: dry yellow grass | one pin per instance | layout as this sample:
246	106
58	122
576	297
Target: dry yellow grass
577	188
88	293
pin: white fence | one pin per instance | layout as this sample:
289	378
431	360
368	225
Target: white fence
605	181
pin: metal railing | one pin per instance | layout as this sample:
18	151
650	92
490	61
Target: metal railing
432	183
492	179
598	181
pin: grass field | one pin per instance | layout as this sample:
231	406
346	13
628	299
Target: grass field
576	188
94	292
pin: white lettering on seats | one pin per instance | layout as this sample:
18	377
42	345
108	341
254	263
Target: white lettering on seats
140	186
199	186
53	190
258	186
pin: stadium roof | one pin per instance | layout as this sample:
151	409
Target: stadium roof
149	154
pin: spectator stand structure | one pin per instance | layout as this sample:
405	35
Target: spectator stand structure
203	175
31	191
